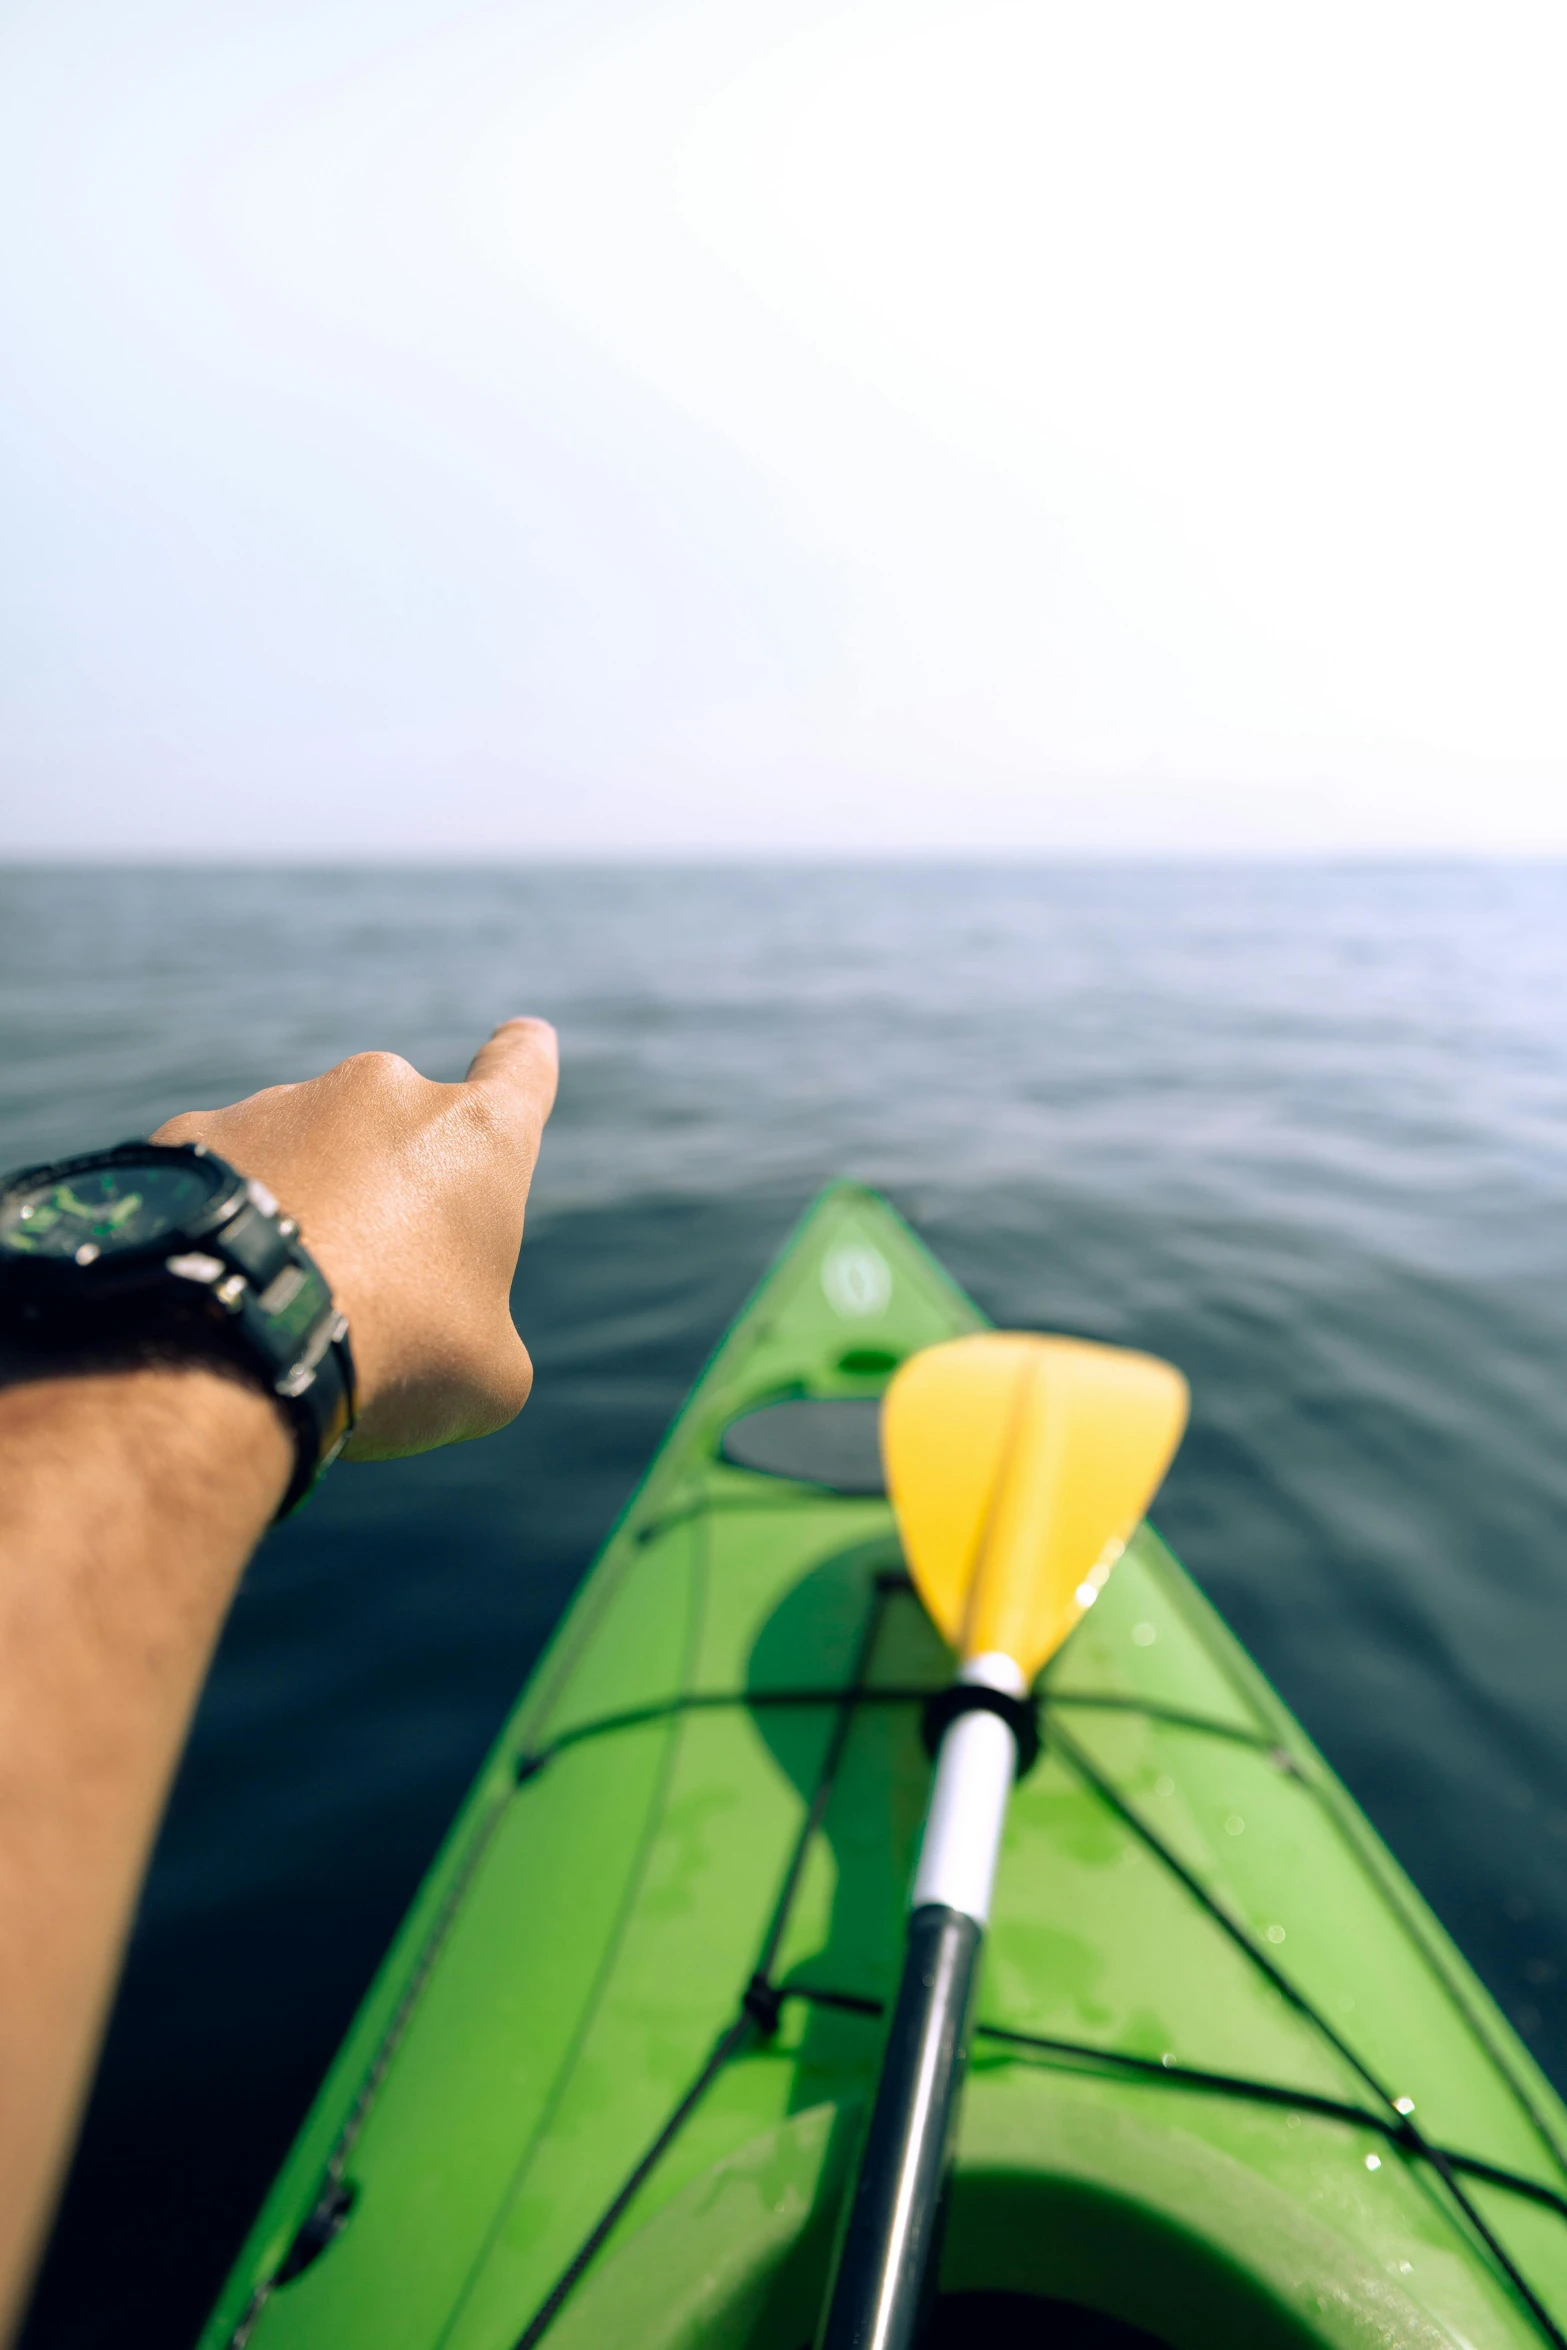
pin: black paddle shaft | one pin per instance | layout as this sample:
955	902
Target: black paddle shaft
887	2264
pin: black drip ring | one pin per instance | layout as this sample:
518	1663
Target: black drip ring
1021	1715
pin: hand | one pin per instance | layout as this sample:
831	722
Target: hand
410	1196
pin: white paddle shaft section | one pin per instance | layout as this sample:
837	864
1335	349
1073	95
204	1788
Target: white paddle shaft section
968	1806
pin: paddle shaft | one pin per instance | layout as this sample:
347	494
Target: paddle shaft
887	2260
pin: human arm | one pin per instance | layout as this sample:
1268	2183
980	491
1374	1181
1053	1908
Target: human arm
131	1498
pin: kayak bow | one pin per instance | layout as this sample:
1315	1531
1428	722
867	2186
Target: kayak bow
1230	2084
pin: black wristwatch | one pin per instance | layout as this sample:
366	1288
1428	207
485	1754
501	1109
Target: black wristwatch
156	1249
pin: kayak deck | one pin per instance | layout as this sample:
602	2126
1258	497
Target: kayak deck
1230	2081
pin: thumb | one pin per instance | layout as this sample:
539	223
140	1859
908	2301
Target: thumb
519	1066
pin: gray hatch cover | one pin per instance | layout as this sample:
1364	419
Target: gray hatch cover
833	1442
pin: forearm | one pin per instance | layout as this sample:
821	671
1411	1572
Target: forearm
129	1504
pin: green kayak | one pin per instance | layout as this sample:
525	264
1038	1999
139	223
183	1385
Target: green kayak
1230	2082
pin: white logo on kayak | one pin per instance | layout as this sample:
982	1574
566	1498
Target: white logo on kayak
857	1280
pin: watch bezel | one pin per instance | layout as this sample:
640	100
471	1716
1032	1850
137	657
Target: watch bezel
112	1268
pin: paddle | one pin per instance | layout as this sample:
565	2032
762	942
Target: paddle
1018	1467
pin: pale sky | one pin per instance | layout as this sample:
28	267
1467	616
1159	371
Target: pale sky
607	426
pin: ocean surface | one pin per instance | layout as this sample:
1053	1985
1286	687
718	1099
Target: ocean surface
1304	1130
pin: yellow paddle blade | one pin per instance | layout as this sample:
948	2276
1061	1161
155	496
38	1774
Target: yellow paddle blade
1018	1467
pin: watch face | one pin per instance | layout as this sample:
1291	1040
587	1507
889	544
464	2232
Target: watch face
107	1210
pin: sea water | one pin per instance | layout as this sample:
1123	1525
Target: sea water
1301	1129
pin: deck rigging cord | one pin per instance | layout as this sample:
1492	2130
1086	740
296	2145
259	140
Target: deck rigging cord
761	2001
